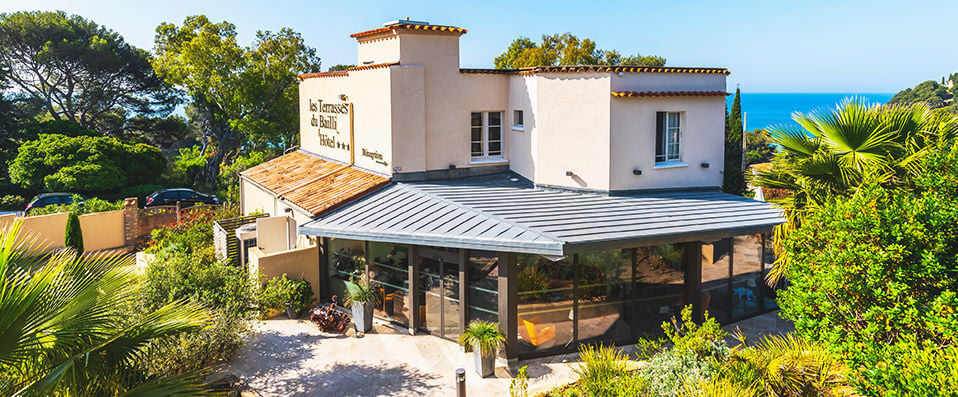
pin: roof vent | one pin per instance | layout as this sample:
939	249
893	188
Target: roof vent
406	21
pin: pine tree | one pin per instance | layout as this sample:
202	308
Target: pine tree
734	175
74	234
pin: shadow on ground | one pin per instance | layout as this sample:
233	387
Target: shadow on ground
293	365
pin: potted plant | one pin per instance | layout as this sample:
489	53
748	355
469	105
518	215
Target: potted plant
360	298
292	296
485	338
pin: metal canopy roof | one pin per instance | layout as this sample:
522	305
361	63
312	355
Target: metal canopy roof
506	212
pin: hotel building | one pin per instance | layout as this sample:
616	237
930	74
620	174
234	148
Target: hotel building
570	204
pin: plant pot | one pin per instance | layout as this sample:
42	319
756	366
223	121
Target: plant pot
292	313
362	316
485	362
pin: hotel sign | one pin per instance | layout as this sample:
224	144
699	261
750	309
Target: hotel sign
325	117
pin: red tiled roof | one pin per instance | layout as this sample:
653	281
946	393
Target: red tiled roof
598	69
337	73
435	28
295	177
630	94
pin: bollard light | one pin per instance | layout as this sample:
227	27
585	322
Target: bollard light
460	382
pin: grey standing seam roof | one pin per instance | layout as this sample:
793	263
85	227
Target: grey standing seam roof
506	212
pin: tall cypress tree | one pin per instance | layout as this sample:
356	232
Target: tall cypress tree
74	234
734	176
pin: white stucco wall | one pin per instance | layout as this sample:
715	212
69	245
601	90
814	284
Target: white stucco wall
633	142
572	130
417	116
369	92
522	143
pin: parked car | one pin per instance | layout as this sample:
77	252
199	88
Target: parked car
186	198
46	199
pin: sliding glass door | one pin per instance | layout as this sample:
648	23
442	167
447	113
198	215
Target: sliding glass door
439	291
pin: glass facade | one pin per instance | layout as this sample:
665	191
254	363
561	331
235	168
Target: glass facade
483	286
545	302
611	296
659	286
439	291
715	278
604	303
347	263
389	274
746	275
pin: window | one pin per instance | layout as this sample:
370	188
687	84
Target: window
486	135
667	135
517	120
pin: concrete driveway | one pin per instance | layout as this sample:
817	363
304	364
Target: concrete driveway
293	358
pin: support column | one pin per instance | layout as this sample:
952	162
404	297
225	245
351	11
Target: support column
463	289
693	278
323	244
508	299
412	298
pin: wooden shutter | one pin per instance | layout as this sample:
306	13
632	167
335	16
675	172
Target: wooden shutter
660	136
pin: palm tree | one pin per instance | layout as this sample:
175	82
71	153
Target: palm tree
63	331
778	366
836	152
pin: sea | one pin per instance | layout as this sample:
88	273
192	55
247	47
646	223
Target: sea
764	110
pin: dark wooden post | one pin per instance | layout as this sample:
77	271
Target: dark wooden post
508	299
693	277
463	289
412	298
323	244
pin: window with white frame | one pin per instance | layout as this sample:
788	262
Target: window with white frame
486	135
668	134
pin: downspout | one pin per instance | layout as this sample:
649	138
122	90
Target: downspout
352	159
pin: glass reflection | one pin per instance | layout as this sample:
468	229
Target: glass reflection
604	290
746	275
715	275
347	262
545	294
389	274
483	286
659	286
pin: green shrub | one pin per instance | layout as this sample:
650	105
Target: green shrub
12	202
186	165
868	271
74	234
56	162
519	386
88	206
281	292
606	371
184	268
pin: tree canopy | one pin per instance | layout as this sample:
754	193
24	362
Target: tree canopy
80	71
56	162
930	93
733	176
566	49
242	97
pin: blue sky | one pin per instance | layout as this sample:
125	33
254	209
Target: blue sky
770	46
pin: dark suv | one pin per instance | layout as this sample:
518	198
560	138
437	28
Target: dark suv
186	197
46	199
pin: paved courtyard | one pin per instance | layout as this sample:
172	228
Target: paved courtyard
293	358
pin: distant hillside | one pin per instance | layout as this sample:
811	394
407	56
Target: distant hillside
931	92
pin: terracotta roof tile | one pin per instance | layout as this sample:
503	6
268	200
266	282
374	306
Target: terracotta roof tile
338	73
630	94
598	69
435	28
293	176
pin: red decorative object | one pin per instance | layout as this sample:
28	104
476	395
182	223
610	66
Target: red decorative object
329	319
